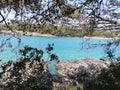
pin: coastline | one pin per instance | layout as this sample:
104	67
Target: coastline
115	38
15	32
25	33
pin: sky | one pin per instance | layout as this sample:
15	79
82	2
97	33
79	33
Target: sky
12	13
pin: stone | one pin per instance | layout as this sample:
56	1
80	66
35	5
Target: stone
1	70
81	68
10	75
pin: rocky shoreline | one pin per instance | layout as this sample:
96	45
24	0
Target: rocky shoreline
69	73
24	75
79	69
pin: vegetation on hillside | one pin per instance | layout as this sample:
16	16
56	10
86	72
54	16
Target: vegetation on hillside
45	29
90	14
61	31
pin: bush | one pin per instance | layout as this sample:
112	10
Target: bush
29	72
107	80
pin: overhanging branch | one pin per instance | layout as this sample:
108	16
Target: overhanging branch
3	19
107	20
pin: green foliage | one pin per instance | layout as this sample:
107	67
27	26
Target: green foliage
36	78
35	55
32	11
67	10
108	79
18	3
46	29
107	34
61	31
51	55
32	54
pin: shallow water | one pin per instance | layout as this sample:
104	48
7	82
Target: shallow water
66	48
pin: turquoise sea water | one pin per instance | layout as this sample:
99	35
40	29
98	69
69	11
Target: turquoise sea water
66	48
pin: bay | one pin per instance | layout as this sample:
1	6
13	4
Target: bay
66	48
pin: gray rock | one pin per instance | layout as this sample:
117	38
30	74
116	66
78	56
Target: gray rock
1	70
81	68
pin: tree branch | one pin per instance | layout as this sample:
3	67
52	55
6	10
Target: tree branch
107	20
3	19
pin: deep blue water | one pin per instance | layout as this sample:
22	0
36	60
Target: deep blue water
66	48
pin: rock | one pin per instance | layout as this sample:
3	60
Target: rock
1	70
31	74
9	68
28	76
81	68
18	60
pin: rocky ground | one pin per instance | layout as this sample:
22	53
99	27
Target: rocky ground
25	75
22	75
80	69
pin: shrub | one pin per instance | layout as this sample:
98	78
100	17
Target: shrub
108	79
29	72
